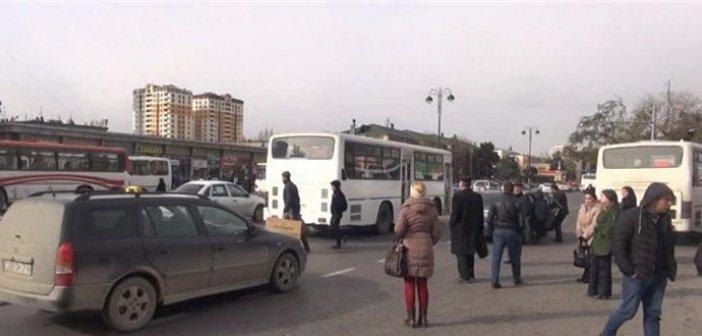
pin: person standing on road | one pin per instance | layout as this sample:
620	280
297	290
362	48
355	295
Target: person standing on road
161	185
644	251
527	206
338	207
562	201
600	282
628	199
291	210
540	214
466	228
419	229
585	226
505	220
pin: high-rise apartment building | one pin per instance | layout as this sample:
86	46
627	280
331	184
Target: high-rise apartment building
172	112
218	118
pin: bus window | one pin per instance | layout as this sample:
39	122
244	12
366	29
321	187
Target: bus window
106	162
642	157
304	147
141	168
38	160
8	159
697	169
159	167
73	161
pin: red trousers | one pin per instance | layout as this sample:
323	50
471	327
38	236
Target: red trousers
418	285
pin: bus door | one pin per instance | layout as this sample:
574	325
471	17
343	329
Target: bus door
448	185
406	175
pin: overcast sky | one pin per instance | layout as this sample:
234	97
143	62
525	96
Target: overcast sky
314	67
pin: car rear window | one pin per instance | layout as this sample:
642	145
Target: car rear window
33	221
104	224
191	188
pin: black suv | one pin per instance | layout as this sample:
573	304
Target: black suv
126	254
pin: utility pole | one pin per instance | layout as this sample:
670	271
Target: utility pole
531	130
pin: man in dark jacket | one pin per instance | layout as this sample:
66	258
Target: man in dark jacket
338	206
644	250
562	201
505	222
291	198
466	228
525	203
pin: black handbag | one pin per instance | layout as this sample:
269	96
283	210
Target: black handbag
580	254
481	247
396	260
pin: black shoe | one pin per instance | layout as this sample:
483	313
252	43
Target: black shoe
460	280
603	297
336	247
422	321
518	282
496	285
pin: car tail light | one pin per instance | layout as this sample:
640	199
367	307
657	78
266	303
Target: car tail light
686	210
65	275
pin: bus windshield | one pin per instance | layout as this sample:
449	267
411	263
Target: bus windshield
303	147
642	157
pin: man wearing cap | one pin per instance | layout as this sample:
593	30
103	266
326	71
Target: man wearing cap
291	198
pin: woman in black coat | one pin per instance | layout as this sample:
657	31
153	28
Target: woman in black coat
628	199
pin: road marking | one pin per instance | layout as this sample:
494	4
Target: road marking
380	261
343	271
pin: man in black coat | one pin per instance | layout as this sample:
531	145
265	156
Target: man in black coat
644	250
338	207
291	198
562	201
466	228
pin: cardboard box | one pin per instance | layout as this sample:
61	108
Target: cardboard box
288	227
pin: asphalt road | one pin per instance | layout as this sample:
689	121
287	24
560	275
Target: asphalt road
345	292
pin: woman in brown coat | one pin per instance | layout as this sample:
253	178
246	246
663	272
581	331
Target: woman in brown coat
419	229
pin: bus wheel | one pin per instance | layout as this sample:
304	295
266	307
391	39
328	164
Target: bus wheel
383	225
84	188
437	205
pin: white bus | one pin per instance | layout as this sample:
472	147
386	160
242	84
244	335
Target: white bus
146	171
30	167
677	164
375	175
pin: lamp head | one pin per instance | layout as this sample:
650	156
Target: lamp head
429	99
450	98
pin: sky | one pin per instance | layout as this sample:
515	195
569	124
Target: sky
303	67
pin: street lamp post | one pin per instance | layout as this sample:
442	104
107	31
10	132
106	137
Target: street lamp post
439	93
531	130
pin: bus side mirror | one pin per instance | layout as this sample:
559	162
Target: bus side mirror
344	177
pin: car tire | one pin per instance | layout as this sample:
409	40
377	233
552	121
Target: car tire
286	273
258	214
131	305
383	224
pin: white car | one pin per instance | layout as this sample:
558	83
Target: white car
229	195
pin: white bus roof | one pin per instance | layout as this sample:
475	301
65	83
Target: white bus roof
367	140
652	143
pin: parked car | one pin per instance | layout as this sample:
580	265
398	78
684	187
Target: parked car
126	254
485	185
229	195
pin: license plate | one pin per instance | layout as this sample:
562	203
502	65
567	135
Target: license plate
16	267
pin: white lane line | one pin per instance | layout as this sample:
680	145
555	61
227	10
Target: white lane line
343	271
380	261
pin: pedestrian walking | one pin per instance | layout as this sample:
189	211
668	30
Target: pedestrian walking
505	222
628	199
161	185
644	251
600	283
291	210
585	225
562	201
466	224
338	207
419	229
